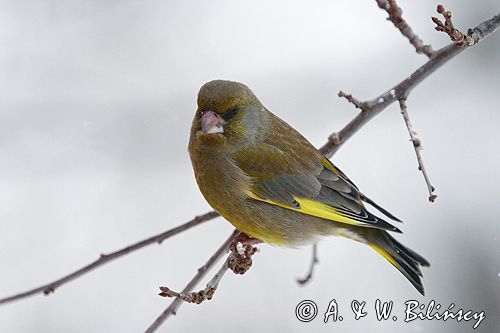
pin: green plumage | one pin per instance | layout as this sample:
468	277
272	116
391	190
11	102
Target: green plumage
268	181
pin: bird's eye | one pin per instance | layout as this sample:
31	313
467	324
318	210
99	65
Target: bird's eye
230	114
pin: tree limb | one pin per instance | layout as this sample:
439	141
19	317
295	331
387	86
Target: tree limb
50	287
403	89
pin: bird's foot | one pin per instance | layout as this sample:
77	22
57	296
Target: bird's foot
242	249
244	239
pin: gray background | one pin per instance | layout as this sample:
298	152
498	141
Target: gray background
96	100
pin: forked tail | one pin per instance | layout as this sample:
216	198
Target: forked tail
405	260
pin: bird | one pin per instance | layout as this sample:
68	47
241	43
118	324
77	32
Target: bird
272	184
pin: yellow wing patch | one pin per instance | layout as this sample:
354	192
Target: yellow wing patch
327	164
313	208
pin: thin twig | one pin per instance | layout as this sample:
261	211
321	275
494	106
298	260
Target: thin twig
105	258
357	103
395	16
239	261
417	144
459	38
403	89
202	295
314	262
202	271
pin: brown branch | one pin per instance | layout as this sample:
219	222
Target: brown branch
202	271
417	144
314	262
395	16
105	258
404	88
456	36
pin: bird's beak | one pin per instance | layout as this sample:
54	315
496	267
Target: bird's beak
211	122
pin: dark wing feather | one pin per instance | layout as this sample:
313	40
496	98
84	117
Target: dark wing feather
290	171
338	190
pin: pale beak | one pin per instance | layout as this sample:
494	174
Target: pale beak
211	122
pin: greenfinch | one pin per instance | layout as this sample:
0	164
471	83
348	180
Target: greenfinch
272	184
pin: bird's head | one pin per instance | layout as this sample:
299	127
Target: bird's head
229	116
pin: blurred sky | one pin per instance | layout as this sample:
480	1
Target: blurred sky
96	101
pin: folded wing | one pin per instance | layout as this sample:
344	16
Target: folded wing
310	185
